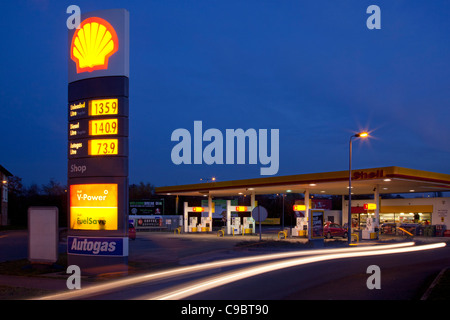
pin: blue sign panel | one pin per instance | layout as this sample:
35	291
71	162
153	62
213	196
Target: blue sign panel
93	246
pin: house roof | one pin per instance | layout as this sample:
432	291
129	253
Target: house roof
5	172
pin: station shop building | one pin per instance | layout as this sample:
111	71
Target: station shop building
423	201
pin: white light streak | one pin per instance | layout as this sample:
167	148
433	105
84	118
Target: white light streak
217	281
115	285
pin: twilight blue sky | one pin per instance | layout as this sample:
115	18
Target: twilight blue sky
311	69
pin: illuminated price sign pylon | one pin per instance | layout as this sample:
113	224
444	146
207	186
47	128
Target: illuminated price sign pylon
98	139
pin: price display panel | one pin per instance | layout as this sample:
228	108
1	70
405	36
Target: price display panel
103	107
103	147
96	148
85	128
103	127
96	108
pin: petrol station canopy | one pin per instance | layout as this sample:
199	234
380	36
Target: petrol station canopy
387	180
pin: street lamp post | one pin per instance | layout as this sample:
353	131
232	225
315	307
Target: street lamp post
349	217
282	217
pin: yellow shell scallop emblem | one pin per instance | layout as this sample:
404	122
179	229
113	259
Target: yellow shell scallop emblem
92	45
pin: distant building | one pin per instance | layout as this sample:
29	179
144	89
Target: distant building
4	174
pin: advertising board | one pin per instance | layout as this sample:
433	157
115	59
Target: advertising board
316	220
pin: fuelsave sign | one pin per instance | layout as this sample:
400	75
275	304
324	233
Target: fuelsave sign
93	206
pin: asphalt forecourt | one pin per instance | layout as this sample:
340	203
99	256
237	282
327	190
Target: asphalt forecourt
155	256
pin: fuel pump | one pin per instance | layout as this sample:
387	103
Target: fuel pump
369	231
248	225
193	224
205	226
236	225
301	227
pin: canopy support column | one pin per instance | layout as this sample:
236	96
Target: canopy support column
377	202
307	213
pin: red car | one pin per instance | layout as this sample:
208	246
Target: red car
332	229
131	231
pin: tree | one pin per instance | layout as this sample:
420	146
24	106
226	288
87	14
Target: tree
141	191
15	186
32	191
53	188
20	198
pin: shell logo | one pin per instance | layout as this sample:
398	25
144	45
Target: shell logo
92	45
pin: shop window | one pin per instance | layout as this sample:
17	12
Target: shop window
421	218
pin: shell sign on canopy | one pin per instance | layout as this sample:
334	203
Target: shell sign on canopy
92	45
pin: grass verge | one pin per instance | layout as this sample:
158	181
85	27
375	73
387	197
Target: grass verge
19	293
23	267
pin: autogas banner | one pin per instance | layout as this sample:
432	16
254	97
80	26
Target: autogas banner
94	246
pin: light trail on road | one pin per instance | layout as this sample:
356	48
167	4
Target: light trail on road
233	276
116	285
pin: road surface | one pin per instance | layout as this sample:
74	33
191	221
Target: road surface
403	277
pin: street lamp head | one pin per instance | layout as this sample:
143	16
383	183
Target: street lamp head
362	135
